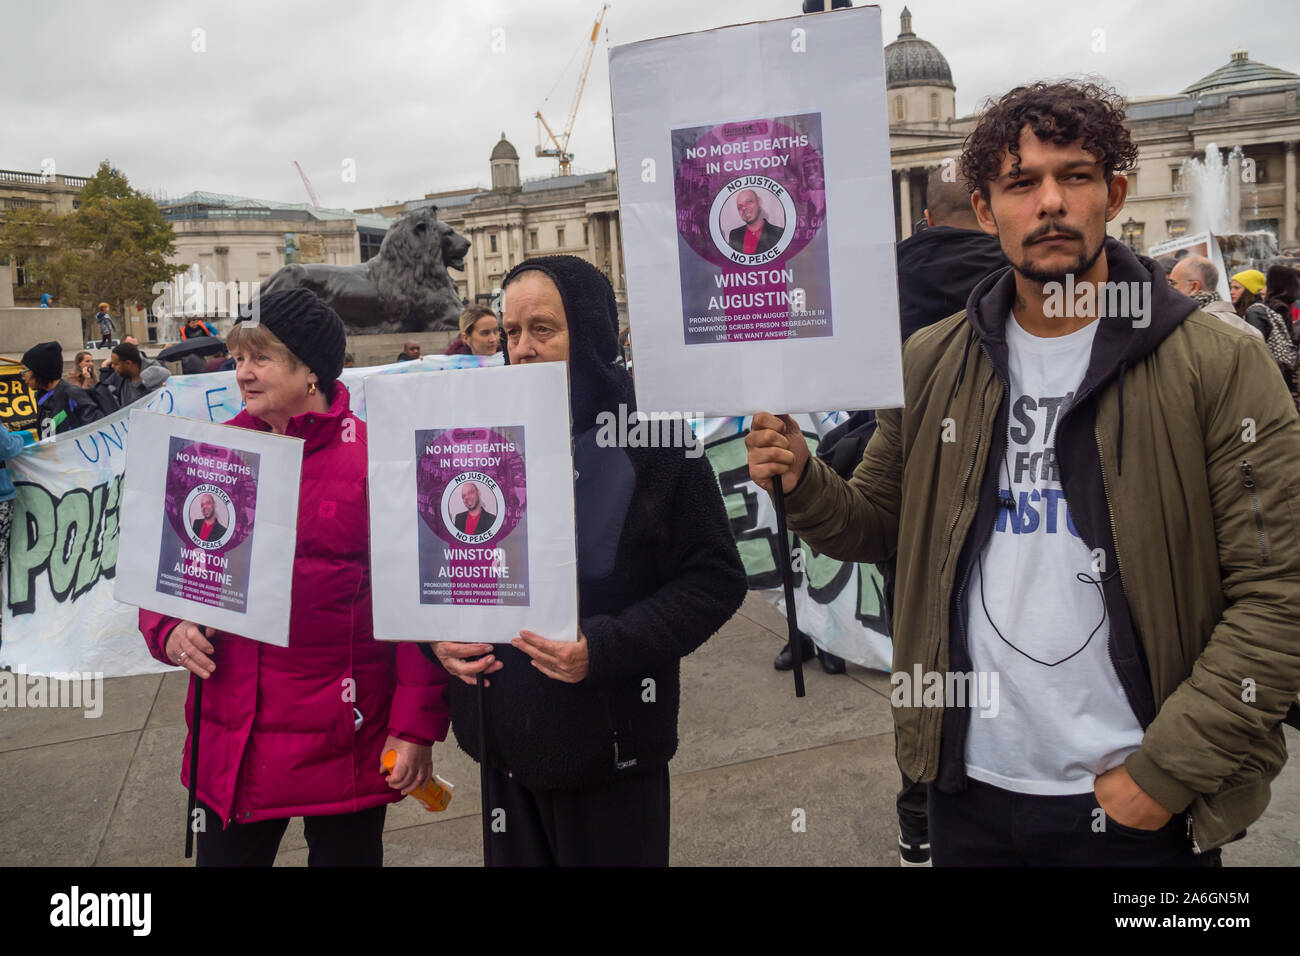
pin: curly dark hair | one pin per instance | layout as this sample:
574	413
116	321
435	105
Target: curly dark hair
1061	113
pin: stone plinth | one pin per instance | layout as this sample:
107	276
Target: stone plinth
383	349
21	328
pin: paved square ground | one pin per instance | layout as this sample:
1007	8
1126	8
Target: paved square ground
107	792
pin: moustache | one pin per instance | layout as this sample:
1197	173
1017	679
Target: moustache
1050	230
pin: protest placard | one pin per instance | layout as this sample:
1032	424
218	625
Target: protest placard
758	217
17	403
471	505
204	505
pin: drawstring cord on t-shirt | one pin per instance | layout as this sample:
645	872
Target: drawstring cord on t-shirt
1081	576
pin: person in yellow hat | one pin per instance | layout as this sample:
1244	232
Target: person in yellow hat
1248	297
1245	288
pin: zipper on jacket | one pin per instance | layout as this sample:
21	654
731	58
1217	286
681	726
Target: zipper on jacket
621	764
965	485
1191	836
1129	692
961	507
1248	481
947	607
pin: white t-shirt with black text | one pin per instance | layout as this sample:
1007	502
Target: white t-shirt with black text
1057	727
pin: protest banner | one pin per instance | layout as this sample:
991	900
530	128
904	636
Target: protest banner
211	501
471	505
758	217
839	605
17	403
1200	244
59	611
64	618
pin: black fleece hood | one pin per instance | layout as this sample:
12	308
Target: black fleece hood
937	269
597	379
1122	340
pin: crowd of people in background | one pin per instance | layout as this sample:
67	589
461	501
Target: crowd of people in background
1265	304
85	395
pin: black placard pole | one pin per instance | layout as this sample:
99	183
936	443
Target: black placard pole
787	578
194	764
482	769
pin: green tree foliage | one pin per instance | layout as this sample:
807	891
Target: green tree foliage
28	237
113	247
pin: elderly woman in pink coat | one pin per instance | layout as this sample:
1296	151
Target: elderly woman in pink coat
300	730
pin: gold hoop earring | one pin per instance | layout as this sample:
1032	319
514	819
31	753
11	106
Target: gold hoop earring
311	388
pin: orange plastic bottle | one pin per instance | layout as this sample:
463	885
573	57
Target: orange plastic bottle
433	794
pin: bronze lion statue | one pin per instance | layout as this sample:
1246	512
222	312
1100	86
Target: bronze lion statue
405	288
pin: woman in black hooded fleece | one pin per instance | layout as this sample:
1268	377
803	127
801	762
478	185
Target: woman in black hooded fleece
579	735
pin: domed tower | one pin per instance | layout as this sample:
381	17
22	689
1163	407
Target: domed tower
505	165
918	80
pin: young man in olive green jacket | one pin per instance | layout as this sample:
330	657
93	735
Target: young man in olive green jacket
1093	494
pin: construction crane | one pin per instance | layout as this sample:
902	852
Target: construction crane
315	203
560	144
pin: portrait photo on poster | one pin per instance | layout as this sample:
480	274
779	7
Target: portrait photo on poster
472	501
753	250
210	504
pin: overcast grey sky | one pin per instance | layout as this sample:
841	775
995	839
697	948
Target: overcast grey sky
414	93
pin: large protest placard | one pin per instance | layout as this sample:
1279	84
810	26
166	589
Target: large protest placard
211	502
758	217
17	403
471	505
59	611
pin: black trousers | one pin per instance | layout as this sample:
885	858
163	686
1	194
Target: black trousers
624	823
344	839
989	826
913	827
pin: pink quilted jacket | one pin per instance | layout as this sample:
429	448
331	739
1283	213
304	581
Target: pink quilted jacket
279	738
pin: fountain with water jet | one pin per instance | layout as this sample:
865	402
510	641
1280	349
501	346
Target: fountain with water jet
1213	189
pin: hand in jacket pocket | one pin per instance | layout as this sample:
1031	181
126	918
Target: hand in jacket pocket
1126	803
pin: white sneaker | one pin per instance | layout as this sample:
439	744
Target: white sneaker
913	854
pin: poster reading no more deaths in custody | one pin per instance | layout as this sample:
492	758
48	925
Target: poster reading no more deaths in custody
758	217
209	517
471	505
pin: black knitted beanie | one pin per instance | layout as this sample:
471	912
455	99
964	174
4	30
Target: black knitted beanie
45	361
309	329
